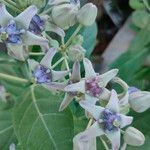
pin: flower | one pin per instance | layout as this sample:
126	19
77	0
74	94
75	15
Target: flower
134	137
14	32
93	85
87	14
139	100
75	77
43	73
108	121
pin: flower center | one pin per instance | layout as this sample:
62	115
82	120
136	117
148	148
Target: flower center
92	87
110	121
37	25
11	34
42	74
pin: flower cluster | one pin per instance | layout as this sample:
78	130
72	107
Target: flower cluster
105	109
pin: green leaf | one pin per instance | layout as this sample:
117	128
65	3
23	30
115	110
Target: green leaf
6	130
89	34
39	125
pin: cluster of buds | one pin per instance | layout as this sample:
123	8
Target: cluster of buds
31	28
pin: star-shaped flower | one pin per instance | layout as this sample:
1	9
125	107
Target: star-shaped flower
108	121
75	77
93	85
14	32
44	74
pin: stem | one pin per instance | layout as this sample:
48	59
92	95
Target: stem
90	123
36	54
73	35
11	2
123	132
67	65
124	146
146	5
58	62
11	6
105	144
13	78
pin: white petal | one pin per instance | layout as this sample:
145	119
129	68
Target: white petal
125	120
114	137
113	103
105	95
57	75
17	51
53	28
76	76
90	99
47	59
89	70
54	86
106	77
5	16
80	87
32	39
91	132
66	101
94	110
32	64
125	99
26	16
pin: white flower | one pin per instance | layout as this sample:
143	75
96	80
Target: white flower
14	32
44	74
108	121
93	85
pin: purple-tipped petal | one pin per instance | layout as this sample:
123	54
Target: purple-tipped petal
114	138
125	120
52	86
89	70
66	101
17	51
94	110
32	39
32	64
26	16
57	75
91	132
47	59
79	87
113	103
76	75
106	77
5	16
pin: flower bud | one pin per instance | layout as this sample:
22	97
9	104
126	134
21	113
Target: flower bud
134	137
64	16
136	4
76	53
139	100
87	14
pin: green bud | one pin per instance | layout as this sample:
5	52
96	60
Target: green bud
136	4
134	137
25	3
87	14
3	36
77	40
64	16
76	53
139	101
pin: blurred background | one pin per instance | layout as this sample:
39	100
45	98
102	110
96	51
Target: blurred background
123	40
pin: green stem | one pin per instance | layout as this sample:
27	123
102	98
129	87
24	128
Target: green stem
146	5
105	144
90	123
124	146
36	54
13	78
58	62
11	6
73	35
66	63
11	2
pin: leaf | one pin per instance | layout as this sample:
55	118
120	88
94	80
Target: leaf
39	125
6	130
89	34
